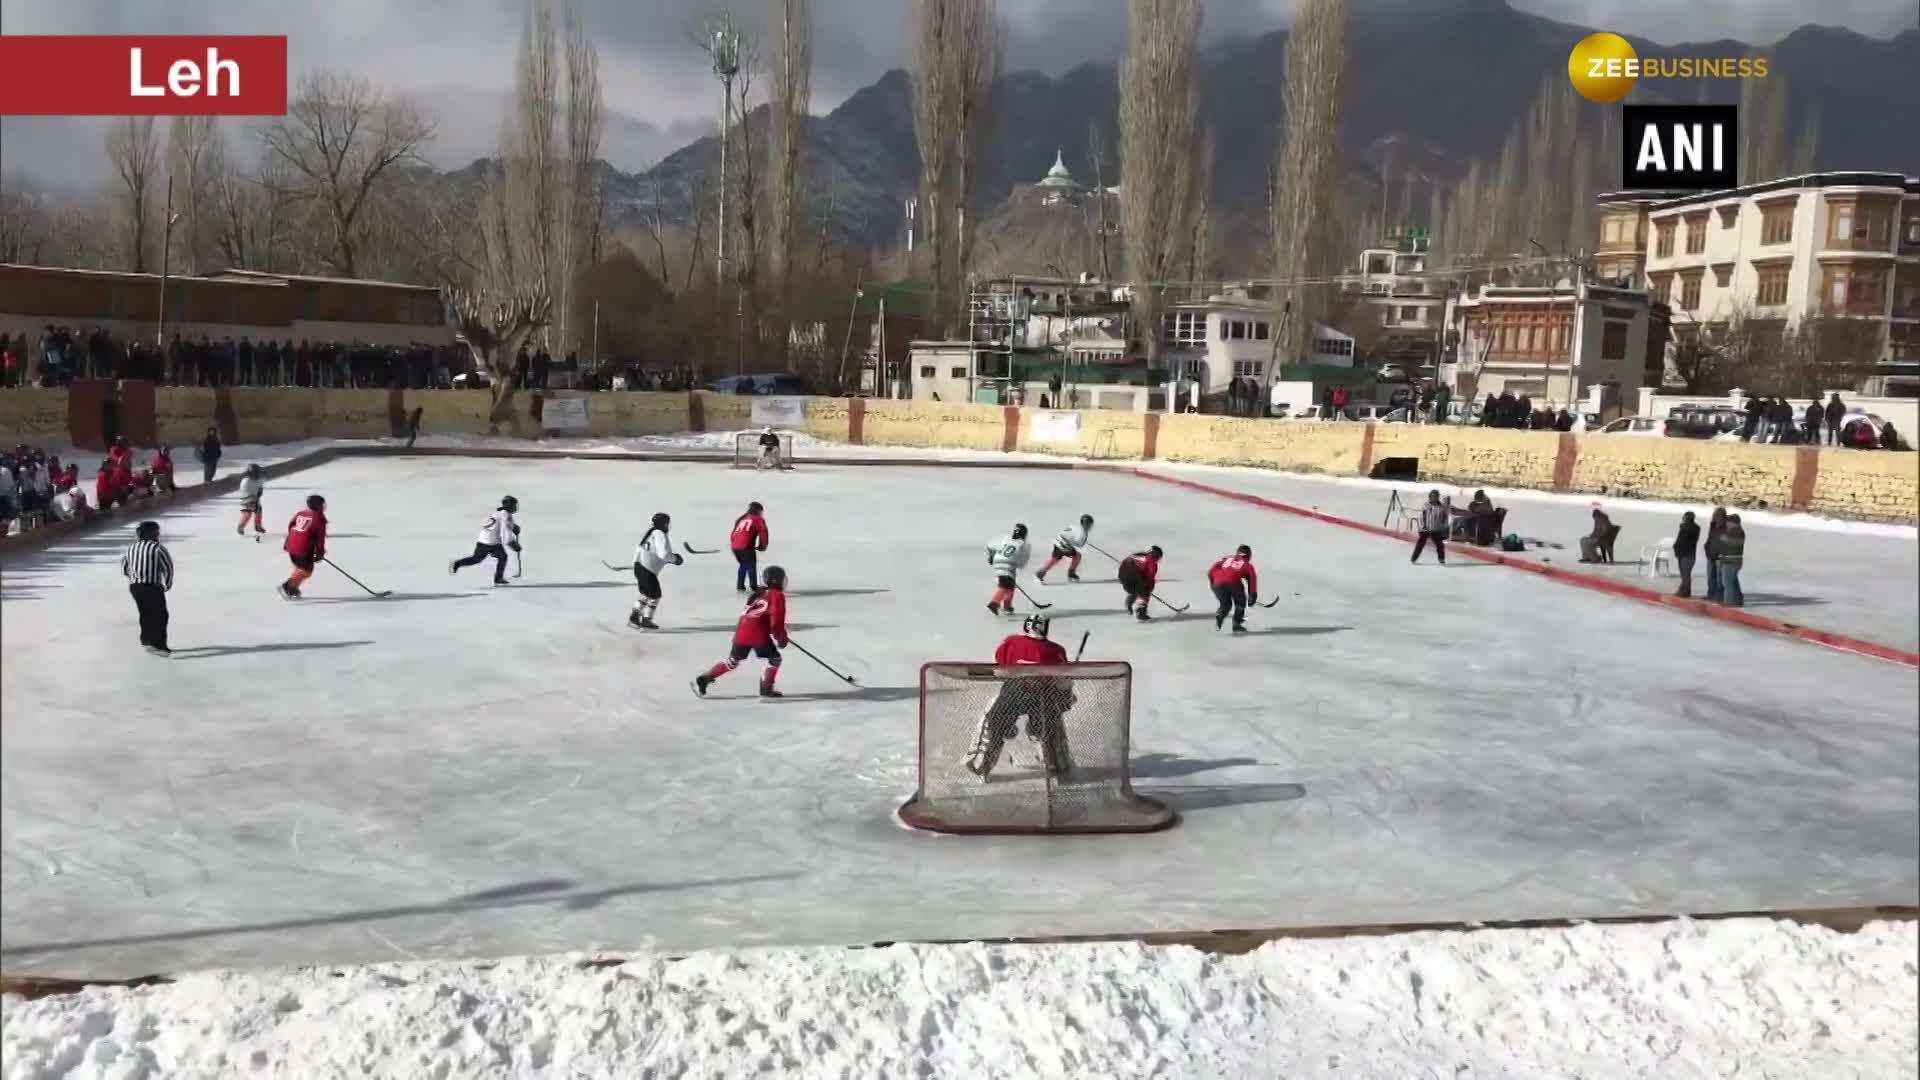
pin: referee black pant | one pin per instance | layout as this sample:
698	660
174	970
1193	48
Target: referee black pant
152	602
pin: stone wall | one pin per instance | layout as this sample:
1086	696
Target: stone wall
1874	485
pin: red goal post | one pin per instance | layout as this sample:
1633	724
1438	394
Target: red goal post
1063	756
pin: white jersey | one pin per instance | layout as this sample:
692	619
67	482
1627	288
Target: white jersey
499	529
1073	537
655	551
1008	556
250	489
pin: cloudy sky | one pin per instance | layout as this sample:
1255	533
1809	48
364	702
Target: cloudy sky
456	55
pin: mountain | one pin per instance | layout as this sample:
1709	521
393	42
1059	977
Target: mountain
1431	86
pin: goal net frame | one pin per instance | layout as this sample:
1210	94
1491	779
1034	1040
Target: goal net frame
1025	795
746	449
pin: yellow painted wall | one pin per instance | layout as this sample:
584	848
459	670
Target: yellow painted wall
933	424
1229	440
269	416
1735	474
827	419
182	415
450	412
1105	435
624	414
1469	455
1869	484
726	412
34	417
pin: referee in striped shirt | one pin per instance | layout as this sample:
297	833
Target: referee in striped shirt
149	573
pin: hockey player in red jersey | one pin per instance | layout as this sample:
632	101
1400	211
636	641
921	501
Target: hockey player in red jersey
748	540
1043	700
306	545
1138	573
762	632
1235	585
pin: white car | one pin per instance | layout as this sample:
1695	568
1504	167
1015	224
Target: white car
1652	427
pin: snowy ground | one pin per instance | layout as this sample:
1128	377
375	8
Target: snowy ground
1672	1001
459	772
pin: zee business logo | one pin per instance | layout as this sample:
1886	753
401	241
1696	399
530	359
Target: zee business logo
1604	67
215	75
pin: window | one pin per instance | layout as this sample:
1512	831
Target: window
1664	244
1690	291
1613	341
1776	225
959	373
1236	331
1186	328
1913	229
1868	288
1615	230
1247	368
1261	331
1729	216
1843	223
1721	275
1696	235
926	371
1661	286
1773	286
1837	291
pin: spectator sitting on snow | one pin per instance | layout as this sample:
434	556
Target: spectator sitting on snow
71	504
1890	439
1479	523
1592	546
163	471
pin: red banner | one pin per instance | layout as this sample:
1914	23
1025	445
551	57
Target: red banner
161	75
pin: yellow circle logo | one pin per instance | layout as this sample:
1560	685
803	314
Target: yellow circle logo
1603	68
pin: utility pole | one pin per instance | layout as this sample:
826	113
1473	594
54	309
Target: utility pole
166	249
880	362
723	46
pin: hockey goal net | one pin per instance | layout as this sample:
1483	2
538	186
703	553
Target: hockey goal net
746	451
1028	750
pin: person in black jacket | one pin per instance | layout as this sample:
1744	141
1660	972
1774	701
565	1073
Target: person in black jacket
210	453
1685	544
1755	407
1836	412
1814	415
1716	525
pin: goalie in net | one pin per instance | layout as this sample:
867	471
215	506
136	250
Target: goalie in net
1029	743
766	449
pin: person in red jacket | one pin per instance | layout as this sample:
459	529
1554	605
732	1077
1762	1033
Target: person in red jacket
120	454
306	545
106	491
162	472
762	632
1235	585
749	539
1138	573
1043	700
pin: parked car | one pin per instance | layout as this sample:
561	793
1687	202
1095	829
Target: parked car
1652	427
1391	373
1703	421
776	383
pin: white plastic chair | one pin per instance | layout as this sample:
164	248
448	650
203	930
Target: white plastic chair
1658	559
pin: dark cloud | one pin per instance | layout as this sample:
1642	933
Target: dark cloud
457	54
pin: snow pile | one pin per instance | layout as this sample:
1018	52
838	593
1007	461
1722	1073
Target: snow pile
1748	997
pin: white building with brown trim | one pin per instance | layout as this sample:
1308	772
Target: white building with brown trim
1554	344
1842	244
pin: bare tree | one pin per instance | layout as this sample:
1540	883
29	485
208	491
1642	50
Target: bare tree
1308	173
954	43
26	220
134	153
981	44
1097	157
792	94
341	141
196	150
1159	132
1200	257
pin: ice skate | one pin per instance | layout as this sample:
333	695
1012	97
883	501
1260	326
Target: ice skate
770	692
1239	628
993	607
158	650
1141	614
700	684
634	620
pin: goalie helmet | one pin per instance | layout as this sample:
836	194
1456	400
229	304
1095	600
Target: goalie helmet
1086	521
1020	532
1036	626
510	504
661	521
775	577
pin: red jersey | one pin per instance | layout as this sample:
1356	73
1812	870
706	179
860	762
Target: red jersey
307	535
104	489
1021	649
1232	568
1147	565
119	456
162	465
765	619
750	533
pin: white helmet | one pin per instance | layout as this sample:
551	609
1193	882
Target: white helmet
1036	626
768	430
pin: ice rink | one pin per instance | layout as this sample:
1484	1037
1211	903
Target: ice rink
460	771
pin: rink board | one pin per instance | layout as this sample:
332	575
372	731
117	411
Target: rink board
459	771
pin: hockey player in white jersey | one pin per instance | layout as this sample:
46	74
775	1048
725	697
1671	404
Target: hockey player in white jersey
498	535
1007	557
1067	544
769	451
653	554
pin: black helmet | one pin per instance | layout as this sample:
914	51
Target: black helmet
316	502
1156	552
755	508
509	504
1019	532
1086	520
253	470
1036	626
1244	550
661	521
775	577
148	530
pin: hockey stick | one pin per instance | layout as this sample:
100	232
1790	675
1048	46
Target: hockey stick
803	651
1083	646
1269	603
357	581
1029	596
1101	550
691	550
614	568
1182	610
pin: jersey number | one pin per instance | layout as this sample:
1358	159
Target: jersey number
1008	551
301	525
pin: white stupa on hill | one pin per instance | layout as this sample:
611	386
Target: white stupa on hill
1058	185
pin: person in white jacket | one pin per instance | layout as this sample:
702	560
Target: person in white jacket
498	534
653	554
1007	557
251	488
1067	545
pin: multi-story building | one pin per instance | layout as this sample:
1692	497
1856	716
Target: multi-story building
1839	245
1620	258
1395	287
1553	343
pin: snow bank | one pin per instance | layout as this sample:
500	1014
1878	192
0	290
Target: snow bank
1746	997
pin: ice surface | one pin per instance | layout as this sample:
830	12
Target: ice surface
1747	997
459	771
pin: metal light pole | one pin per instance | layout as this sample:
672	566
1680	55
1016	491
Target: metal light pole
724	46
166	249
